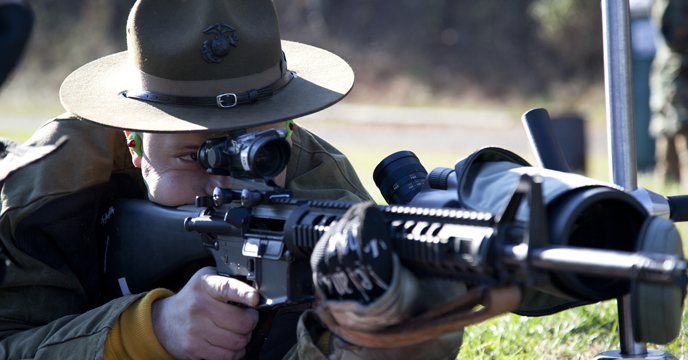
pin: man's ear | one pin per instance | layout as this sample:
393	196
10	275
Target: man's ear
134	143
136	159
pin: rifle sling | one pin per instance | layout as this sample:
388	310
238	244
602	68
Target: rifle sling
450	317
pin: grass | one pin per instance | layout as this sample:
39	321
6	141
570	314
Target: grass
12	110
579	333
18	136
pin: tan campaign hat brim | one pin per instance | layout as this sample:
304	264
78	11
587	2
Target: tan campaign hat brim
92	93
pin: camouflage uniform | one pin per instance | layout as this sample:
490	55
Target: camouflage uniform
669	89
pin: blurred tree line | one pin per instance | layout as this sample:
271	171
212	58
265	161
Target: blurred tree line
403	51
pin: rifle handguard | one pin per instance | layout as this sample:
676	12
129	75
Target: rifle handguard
450	317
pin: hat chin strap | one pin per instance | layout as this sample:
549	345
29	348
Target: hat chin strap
226	100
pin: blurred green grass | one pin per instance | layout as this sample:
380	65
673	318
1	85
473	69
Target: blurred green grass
18	136
14	111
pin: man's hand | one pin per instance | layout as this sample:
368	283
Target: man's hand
366	290
198	323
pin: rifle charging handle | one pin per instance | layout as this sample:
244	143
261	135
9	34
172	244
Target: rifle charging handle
250	198
222	196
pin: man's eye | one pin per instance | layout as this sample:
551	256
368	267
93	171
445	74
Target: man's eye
189	157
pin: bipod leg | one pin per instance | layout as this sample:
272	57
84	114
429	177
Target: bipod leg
621	142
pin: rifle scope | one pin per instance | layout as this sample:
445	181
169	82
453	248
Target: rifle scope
257	155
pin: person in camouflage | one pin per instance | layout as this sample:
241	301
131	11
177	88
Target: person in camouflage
669	92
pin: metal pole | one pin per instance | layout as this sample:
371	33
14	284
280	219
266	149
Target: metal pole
619	93
620	129
621	145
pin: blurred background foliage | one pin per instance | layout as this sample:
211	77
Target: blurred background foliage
416	51
404	52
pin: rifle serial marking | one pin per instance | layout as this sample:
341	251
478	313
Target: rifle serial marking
106	217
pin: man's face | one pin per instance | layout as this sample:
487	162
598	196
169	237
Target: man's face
171	172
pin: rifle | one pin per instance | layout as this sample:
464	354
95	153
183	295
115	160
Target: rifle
260	233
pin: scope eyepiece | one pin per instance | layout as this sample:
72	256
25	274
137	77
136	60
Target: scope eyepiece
258	155
399	177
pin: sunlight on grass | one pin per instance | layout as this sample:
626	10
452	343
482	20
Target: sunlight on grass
579	333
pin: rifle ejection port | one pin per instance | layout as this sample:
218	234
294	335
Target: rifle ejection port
251	248
268	249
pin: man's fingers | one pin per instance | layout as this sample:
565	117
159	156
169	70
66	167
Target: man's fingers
221	290
206	350
229	340
228	289
233	318
198	323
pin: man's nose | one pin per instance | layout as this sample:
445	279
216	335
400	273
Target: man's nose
217	181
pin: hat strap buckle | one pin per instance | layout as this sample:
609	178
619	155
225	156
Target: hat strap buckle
220	103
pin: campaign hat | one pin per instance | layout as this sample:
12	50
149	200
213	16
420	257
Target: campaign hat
205	65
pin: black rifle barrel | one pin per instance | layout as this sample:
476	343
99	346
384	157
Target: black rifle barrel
651	267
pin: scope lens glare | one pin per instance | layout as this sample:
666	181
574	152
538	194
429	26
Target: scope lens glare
268	159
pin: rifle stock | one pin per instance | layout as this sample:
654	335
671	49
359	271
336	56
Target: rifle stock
146	244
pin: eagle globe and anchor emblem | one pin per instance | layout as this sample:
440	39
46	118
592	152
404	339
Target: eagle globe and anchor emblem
217	48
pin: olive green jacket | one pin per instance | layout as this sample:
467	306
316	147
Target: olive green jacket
49	308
